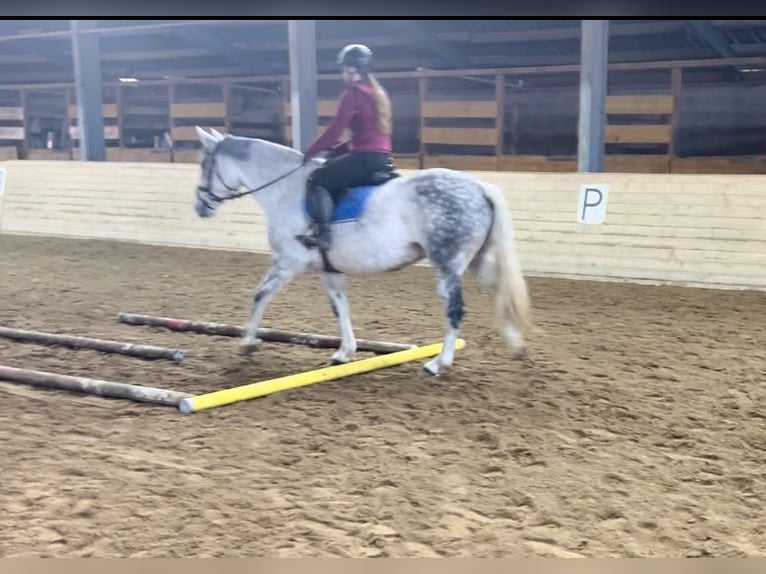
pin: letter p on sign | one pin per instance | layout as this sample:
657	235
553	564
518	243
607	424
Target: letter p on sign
591	207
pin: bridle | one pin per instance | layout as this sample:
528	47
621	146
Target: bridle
217	198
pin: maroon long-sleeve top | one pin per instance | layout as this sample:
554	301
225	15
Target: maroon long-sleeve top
357	111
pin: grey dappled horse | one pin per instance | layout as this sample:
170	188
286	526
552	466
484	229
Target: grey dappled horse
455	221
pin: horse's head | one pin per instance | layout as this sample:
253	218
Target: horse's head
229	163
221	174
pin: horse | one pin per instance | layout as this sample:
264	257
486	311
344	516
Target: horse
456	222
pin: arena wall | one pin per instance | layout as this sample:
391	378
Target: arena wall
676	228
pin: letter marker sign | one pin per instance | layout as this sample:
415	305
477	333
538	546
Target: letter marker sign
591	207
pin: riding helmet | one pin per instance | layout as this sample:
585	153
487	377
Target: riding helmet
356	55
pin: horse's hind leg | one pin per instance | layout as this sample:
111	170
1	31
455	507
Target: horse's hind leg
451	290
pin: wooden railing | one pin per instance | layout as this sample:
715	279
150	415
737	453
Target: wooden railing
443	124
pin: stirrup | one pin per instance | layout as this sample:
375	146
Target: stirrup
308	240
312	240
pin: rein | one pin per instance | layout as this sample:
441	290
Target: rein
220	199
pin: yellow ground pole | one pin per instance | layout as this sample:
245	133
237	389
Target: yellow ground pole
263	388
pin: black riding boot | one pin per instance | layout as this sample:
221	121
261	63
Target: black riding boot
323	205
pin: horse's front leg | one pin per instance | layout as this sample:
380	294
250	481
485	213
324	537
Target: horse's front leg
276	277
335	287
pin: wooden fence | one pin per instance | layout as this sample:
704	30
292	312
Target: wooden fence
647	122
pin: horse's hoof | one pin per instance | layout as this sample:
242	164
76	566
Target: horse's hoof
431	369
340	360
342	357
249	348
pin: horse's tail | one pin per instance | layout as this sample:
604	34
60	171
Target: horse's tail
497	265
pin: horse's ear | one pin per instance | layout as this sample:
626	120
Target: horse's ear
216	134
208	140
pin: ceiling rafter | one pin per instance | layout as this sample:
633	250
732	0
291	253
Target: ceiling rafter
59	58
712	36
249	48
423	36
197	36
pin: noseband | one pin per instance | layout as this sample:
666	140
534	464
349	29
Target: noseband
217	198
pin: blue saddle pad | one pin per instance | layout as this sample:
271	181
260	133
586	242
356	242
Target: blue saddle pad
351	206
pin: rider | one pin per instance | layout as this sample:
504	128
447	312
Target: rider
365	110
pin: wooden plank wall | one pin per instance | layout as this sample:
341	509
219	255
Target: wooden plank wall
657	132
216	113
185	115
326	110
679	228
490	137
111	113
209	114
12	125
642	133
128	201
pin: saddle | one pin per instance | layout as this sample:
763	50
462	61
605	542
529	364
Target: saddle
378	177
375	179
350	202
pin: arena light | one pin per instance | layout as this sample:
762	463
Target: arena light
128	80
